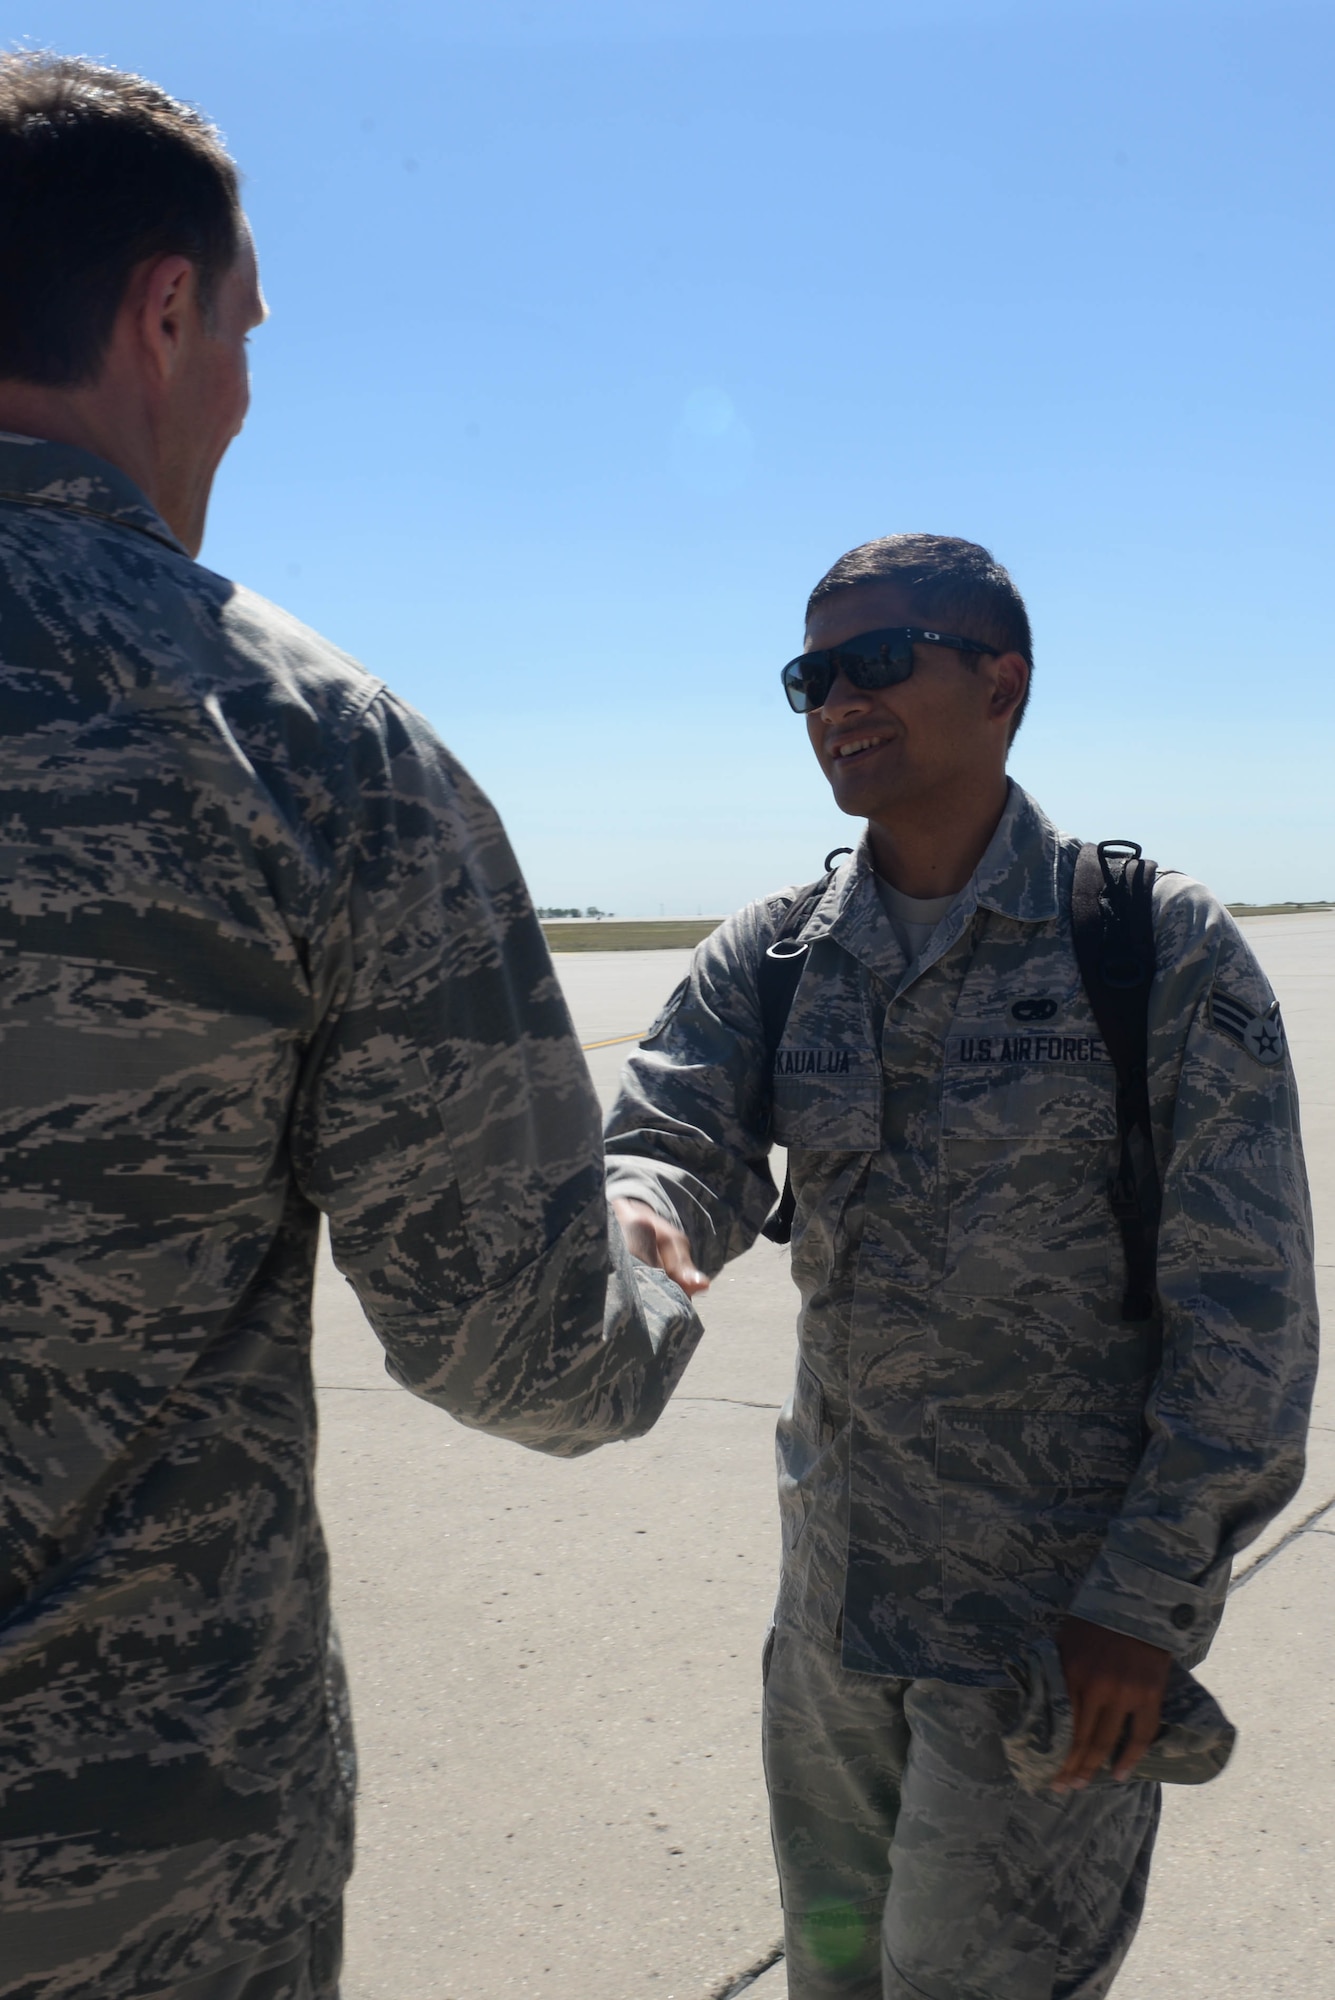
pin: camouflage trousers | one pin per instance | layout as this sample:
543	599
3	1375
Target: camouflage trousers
910	1862
305	1967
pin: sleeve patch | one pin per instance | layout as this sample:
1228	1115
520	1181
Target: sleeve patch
1261	1035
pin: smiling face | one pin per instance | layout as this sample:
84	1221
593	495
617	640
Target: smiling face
927	745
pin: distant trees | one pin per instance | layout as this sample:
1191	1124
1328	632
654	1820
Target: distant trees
592	911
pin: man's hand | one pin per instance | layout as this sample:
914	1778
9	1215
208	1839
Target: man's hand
1116	1686
656	1242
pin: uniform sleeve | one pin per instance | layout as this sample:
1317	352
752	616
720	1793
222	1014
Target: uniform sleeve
1227	1415
689	1132
448	1127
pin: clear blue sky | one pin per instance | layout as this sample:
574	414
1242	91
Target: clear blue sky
600	327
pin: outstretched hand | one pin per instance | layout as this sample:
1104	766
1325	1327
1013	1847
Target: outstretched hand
656	1242
1116	1687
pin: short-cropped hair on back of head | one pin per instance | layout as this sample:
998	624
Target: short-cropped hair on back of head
99	171
956	585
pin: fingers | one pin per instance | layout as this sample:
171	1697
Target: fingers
1144	1729
654	1241
639	1226
674	1258
1129	1721
1116	1686
1098	1729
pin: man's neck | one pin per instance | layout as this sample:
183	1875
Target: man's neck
933	849
80	417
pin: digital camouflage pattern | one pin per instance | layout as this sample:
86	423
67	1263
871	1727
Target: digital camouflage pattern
264	953
976	1441
911	1862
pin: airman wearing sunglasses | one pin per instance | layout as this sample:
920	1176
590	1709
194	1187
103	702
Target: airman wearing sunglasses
980	1451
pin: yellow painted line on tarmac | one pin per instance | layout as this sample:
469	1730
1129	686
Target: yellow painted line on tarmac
612	1041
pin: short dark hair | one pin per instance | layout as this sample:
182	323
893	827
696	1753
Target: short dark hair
99	170
951	583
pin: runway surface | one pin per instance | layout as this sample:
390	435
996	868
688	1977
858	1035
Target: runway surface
556	1665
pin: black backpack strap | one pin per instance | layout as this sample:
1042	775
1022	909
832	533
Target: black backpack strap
777	978
1112	925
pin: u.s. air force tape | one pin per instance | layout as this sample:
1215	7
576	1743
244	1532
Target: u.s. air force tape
1262	1035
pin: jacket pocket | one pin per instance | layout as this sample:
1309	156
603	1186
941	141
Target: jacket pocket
826	1076
826	1098
1026	1498
1027	1163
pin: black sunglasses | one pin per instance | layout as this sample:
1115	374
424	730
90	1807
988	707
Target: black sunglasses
872	660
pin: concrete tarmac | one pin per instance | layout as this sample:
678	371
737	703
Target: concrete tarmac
555	1666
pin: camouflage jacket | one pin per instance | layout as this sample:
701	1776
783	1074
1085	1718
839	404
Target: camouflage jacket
976	1441
264	953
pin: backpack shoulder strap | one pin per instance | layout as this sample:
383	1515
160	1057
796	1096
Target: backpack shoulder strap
1112	927
777	978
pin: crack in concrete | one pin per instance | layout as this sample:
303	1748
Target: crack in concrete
742	1402
741	1980
1285	1541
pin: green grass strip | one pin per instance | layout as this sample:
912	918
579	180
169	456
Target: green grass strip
628	933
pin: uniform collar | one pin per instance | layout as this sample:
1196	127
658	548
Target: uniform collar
37	473
1016	878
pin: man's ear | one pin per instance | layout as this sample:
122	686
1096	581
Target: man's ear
1010	677
164	300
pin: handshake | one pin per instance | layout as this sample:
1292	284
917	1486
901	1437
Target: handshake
270	959
659	1243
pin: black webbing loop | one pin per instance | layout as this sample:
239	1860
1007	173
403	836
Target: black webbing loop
1112	925
778	975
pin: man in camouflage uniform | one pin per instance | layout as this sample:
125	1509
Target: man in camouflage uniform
979	1450
264	955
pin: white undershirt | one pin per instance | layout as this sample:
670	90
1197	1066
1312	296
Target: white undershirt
913	918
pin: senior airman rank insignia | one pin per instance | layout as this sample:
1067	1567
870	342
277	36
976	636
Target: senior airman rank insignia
1262	1035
